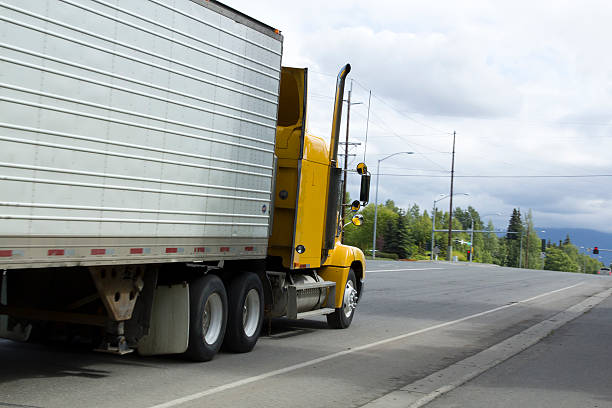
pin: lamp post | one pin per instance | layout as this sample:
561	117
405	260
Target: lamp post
433	222
376	199
471	238
472	233
521	248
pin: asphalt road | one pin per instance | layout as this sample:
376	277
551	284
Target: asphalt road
414	320
570	368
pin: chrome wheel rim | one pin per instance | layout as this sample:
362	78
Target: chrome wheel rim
250	312
212	319
350	299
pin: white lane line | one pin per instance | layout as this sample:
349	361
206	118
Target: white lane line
294	367
400	270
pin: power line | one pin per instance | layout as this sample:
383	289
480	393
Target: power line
432	153
531	122
410	169
402	113
384	124
385	127
500	176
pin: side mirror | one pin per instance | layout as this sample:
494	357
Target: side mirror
355	205
357	220
364	194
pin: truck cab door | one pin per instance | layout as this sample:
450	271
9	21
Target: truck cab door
289	149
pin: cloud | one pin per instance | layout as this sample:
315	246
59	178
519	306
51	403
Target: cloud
526	85
430	73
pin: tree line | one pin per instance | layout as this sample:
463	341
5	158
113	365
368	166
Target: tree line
407	234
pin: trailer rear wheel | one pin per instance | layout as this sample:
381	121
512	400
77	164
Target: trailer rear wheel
246	308
207	317
342	317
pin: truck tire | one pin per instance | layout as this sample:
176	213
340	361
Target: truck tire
246	310
342	317
207	317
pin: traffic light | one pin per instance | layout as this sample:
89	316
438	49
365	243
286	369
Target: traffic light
543	245
469	252
595	251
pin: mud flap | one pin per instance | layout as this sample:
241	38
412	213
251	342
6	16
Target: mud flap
169	331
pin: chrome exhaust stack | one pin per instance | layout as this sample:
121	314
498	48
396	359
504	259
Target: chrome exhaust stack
335	173
337	118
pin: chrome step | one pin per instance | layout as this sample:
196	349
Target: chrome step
317	312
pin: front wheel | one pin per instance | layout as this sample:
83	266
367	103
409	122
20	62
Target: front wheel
246	309
342	317
207	317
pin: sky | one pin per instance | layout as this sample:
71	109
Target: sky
526	86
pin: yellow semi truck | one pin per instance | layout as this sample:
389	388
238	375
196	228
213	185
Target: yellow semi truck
158	188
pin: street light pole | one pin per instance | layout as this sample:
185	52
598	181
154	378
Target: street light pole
433	227
433	223
471	239
376	199
472	233
521	251
450	209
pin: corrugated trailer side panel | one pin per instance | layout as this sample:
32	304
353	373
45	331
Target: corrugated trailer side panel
138	131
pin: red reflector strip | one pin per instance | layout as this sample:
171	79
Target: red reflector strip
100	251
171	250
55	252
301	266
200	249
136	251
224	249
249	248
6	253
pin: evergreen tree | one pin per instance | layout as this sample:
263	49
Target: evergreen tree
532	246
513	241
396	236
567	240
515	225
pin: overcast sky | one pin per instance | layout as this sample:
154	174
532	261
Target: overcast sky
526	85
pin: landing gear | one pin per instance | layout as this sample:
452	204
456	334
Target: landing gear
342	317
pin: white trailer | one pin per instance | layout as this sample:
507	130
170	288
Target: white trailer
133	132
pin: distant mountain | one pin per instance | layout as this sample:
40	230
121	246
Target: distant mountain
581	237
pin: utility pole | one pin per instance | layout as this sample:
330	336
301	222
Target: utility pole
365	145
521	251
450	211
346	146
527	249
471	239
433	227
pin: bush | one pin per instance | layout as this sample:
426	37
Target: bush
420	257
387	255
